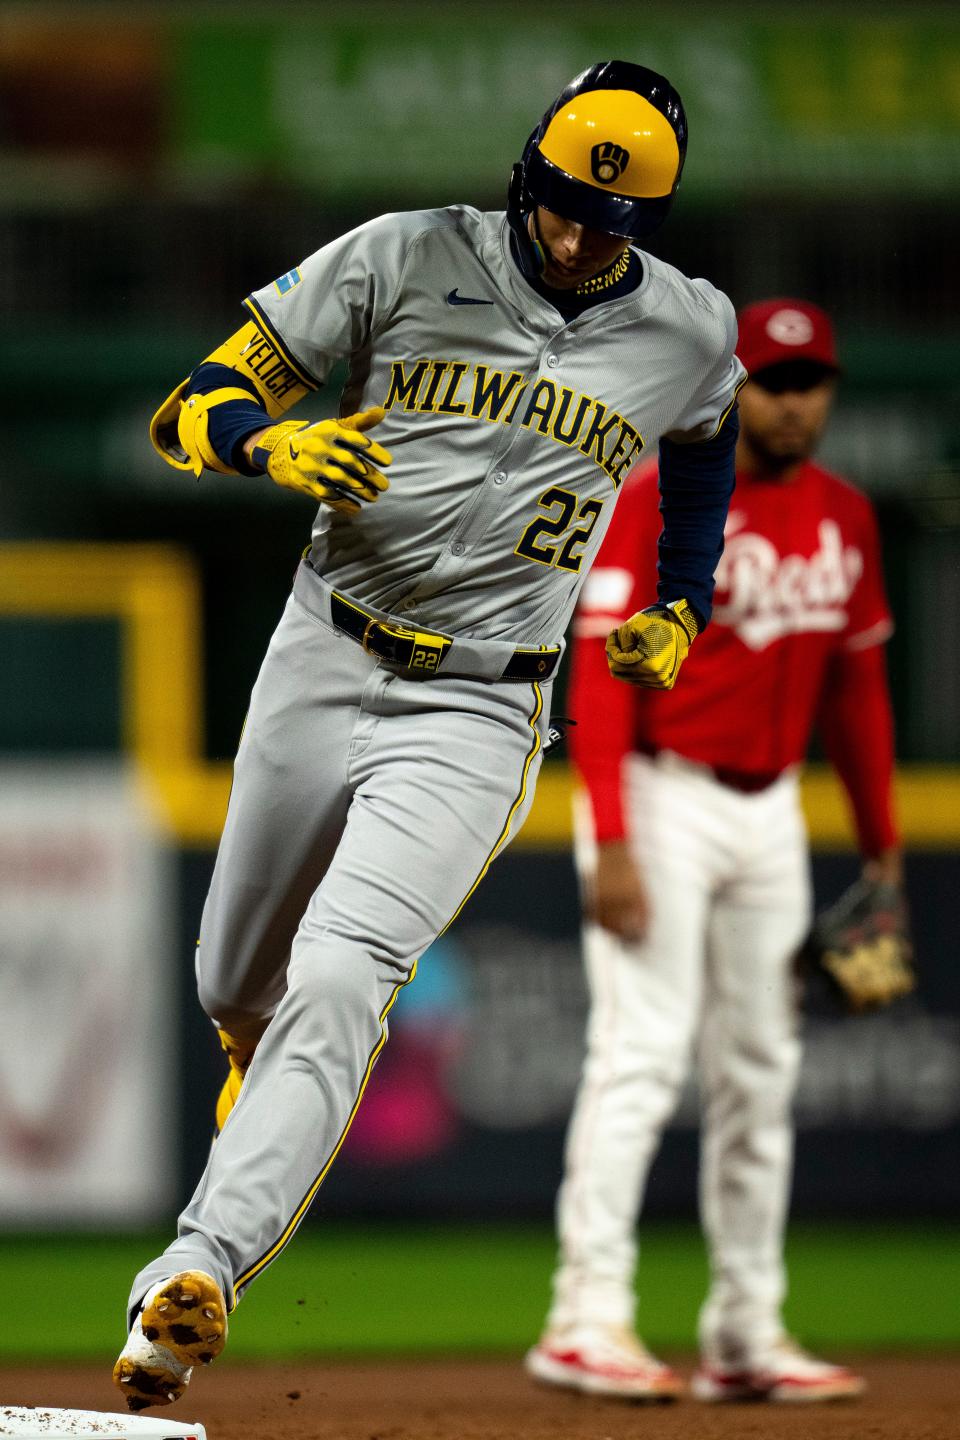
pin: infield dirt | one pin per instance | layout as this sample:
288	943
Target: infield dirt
910	1398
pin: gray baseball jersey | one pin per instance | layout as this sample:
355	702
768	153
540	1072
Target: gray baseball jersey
511	432
367	804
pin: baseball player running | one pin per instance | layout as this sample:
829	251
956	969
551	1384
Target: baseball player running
697	896
514	366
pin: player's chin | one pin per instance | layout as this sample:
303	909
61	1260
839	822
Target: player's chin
562	277
788	449
558	281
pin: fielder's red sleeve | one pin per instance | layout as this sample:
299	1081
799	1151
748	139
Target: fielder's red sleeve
856	726
868	619
855	715
603	735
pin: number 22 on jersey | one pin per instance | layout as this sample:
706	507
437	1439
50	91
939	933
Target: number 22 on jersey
562	512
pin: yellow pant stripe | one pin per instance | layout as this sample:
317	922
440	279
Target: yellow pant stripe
243	1280
521	796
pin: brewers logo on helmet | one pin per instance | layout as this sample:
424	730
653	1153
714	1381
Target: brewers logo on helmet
607	154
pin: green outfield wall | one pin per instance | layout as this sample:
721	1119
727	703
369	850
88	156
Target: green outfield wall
820	95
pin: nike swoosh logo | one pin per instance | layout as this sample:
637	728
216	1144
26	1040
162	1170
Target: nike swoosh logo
455	298
294	454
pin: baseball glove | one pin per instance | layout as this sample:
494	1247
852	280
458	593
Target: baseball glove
862	945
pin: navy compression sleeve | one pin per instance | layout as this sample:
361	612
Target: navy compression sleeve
233	421
696	482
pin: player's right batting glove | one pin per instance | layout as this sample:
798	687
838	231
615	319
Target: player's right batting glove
330	460
649	648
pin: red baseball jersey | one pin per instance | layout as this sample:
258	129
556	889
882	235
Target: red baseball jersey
799	594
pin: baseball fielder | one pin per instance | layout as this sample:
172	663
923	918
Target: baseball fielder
515	365
695	865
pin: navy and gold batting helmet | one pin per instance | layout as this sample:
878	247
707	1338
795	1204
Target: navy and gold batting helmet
608	153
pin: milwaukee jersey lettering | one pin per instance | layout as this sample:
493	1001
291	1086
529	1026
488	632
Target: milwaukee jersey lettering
432	387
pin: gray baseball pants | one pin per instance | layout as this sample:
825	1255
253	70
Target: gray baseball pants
366	805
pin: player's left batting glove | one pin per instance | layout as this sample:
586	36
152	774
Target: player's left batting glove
330	460
649	648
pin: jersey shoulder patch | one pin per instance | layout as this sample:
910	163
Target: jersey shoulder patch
284	283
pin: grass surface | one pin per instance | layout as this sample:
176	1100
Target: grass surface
387	1289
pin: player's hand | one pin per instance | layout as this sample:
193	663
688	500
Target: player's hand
615	894
649	648
332	461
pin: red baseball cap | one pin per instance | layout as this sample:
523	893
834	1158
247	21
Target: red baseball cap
775	331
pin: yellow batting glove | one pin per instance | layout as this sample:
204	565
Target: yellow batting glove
332	461
649	648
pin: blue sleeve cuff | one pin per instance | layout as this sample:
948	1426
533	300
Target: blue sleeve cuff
231	423
696	483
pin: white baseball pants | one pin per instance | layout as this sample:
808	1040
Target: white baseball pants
727	880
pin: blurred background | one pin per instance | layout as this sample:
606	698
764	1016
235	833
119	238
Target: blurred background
159	162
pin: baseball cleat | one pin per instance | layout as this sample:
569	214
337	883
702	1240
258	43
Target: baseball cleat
784	1374
602	1360
182	1323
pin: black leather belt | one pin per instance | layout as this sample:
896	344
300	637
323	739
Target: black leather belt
747	782
422	651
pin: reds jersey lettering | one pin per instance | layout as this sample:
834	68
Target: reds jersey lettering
798	582
763	595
